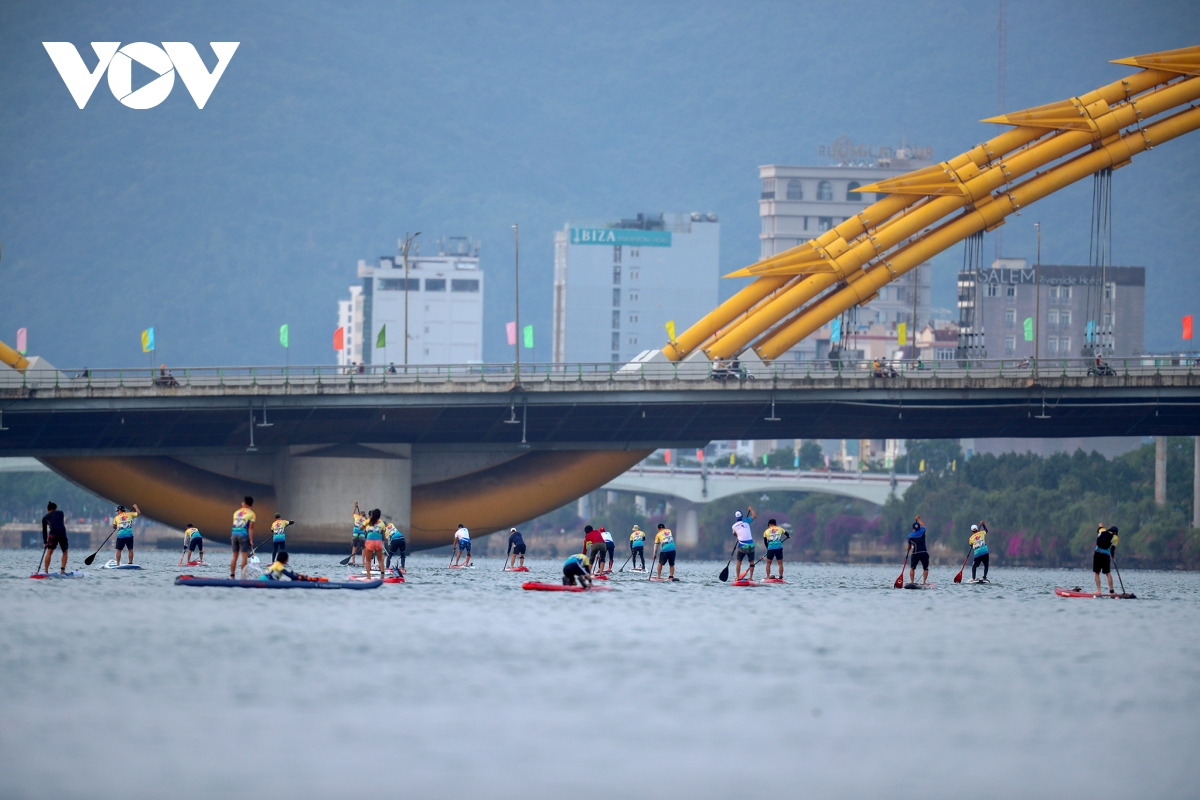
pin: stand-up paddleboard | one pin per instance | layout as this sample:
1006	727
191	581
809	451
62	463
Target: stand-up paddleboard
516	569
461	566
1078	592
663	580
600	577
388	579
113	565
322	583
196	564
538	586
983	581
920	586
73	574
774	580
744	582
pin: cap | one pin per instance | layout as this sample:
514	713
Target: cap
916	526
512	530
737	515
120	508
974	528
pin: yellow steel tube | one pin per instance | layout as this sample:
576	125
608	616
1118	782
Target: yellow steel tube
1115	151
721	316
734	340
13	358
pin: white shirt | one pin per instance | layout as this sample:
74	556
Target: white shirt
606	536
461	534
742	530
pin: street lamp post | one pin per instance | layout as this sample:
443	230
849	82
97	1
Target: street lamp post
517	293
1037	295
407	241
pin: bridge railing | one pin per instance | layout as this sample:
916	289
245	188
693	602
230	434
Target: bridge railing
729	373
769	473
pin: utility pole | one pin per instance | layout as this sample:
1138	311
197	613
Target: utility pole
1037	297
407	241
916	285
517	295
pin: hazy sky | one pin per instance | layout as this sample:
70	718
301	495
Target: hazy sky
339	126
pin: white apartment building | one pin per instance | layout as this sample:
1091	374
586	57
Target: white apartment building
438	299
799	203
617	285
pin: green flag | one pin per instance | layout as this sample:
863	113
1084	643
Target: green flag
528	332
381	339
283	335
1029	329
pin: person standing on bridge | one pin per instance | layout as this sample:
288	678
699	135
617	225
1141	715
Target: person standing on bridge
664	544
516	547
920	553
357	538
773	539
123	524
241	537
637	548
609	547
279	535
745	542
462	544
979	549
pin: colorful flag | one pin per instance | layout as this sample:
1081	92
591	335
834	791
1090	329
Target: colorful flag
902	334
528	337
700	456
732	459
1091	326
283	335
764	459
1187	328
381	339
339	339
23	338
1029	329
667	457
510	328
922	467
148	340
670	330
835	328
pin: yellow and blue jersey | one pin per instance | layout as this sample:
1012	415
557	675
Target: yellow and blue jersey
978	543
123	522
665	539
637	539
360	522
242	518
279	530
773	536
191	533
374	532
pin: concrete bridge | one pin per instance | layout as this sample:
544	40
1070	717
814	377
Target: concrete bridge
435	446
691	487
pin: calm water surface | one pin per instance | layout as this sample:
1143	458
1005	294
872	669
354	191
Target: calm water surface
460	684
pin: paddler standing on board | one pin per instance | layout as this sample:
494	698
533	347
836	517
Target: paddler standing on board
745	542
373	546
54	534
593	545
578	568
279	535
664	545
516	547
462	544
919	552
123	524
609	547
637	548
241	537
773	539
357	538
1102	558
979	549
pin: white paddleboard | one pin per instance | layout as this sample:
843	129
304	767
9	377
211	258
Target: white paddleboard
114	565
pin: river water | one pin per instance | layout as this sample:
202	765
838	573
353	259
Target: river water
459	684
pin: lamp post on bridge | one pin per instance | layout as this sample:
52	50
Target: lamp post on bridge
407	241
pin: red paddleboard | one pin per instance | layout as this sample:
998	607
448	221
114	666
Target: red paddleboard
374	577
744	582
196	564
600	577
517	569
1061	592
538	586
774	580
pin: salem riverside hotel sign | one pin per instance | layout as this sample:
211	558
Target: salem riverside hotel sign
621	236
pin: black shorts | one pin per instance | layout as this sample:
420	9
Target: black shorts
638	550
919	558
396	545
667	557
124	541
518	550
357	542
775	555
57	540
1101	562
571	572
196	544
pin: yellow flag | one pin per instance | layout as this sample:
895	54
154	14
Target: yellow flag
922	468
902	333
670	330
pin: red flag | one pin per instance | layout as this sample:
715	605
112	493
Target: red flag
1187	327
699	455
667	456
339	339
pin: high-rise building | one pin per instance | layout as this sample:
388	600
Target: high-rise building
1084	310
799	203
617	285
438	299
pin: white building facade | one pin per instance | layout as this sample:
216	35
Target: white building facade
437	299
617	285
799	203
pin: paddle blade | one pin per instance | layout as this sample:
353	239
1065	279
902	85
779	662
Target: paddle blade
724	576
899	584
958	577
345	561
88	561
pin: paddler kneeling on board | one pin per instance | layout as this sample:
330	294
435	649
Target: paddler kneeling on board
397	547
920	553
1106	551
578	567
279	570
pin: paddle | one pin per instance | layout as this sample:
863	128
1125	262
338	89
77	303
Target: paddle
752	566
899	584
453	553
724	576
507	556
958	577
1118	569
88	561
654	560
180	564
622	569
46	545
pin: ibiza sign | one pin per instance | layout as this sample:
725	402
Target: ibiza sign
117	62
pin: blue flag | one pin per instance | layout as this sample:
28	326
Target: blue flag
836	328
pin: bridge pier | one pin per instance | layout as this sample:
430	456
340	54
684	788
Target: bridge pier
687	525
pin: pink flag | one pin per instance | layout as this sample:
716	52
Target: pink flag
667	456
339	339
1187	330
22	340
511	328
